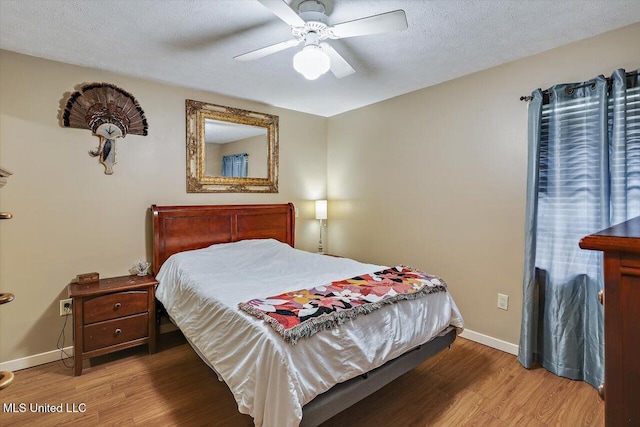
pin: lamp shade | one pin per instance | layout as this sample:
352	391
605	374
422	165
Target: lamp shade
311	62
321	209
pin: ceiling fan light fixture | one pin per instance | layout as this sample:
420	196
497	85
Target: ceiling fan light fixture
311	62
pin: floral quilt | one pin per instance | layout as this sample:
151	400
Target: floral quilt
302	313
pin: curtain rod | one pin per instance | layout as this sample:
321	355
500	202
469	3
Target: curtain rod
570	90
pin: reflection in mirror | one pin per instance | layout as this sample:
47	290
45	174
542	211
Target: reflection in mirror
235	150
230	150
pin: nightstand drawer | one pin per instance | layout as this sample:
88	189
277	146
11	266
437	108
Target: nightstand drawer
111	332
112	306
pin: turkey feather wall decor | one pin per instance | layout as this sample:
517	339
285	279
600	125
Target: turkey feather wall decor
109	112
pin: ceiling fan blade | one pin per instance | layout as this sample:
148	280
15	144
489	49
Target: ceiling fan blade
268	50
338	65
284	12
383	23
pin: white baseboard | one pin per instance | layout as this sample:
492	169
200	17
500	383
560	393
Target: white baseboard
54	355
34	360
492	342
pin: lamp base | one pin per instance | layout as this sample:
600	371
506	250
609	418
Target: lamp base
320	246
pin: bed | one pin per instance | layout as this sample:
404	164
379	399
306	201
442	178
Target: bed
195	249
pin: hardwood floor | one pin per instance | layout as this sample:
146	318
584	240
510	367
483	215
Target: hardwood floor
468	385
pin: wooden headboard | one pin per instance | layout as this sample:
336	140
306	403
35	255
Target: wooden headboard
183	228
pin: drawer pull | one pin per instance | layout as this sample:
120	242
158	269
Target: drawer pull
117	306
601	296
117	331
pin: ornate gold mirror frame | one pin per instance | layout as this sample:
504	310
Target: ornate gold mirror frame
198	180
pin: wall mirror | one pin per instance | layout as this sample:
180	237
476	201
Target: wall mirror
230	150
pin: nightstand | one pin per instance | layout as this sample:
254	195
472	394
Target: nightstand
111	315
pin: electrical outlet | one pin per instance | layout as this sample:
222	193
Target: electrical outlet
503	301
66	307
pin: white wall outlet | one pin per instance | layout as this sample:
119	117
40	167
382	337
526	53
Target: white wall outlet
66	307
503	301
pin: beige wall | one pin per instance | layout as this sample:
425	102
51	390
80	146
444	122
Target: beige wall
70	218
212	159
436	178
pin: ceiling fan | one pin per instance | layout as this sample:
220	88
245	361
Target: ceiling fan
310	25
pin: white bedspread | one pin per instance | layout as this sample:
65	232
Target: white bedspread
270	379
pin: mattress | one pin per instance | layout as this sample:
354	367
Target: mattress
270	379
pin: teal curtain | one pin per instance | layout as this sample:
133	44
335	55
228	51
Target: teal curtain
235	165
583	175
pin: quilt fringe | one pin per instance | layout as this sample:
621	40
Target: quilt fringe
335	319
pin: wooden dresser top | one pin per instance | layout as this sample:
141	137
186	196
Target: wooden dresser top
621	237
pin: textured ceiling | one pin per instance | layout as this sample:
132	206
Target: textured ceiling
192	43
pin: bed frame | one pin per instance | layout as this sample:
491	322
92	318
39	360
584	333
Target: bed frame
181	228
